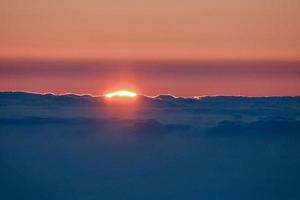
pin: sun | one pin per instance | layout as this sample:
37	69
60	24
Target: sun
121	93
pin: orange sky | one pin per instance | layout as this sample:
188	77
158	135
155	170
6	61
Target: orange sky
233	29
186	48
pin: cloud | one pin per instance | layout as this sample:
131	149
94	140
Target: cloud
32	120
154	127
261	129
151	68
227	103
150	126
78	143
163	113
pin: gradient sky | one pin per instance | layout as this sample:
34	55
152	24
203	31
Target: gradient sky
181	78
264	29
186	48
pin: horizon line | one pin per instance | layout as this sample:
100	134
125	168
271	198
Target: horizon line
144	95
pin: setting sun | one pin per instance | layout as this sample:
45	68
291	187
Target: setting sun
121	93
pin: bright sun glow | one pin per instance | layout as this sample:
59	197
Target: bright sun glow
121	93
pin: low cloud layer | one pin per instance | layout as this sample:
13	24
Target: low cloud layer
262	129
81	147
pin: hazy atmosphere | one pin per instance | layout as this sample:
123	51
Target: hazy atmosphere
149	100
152	77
